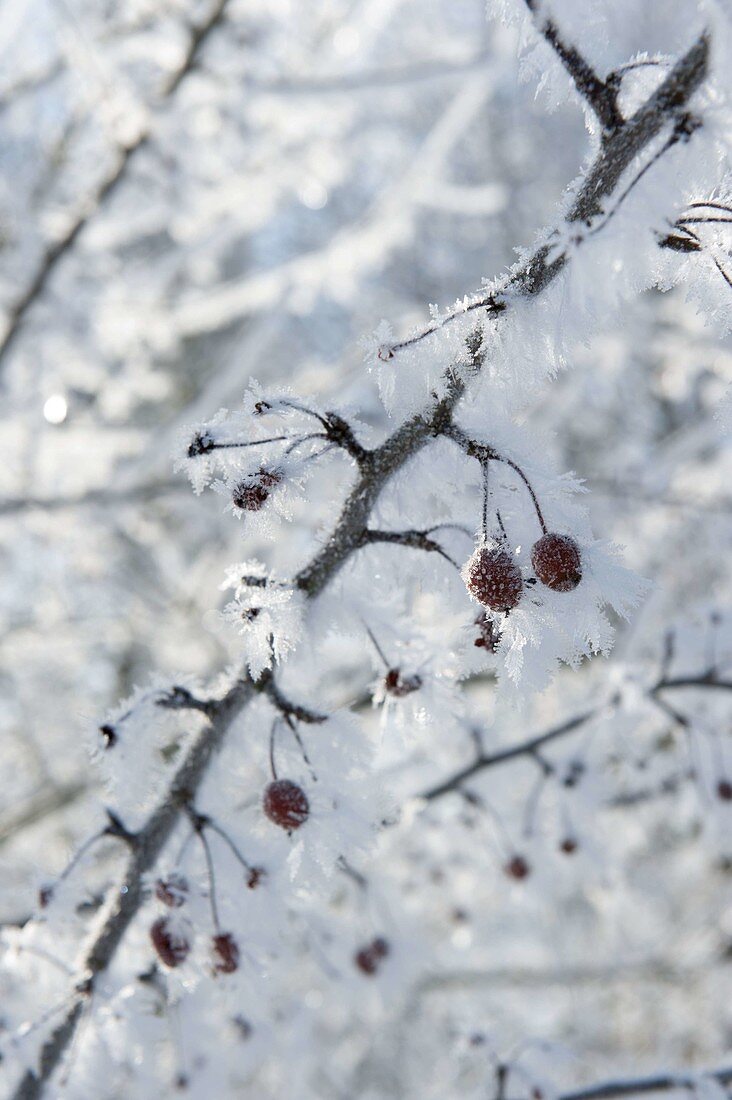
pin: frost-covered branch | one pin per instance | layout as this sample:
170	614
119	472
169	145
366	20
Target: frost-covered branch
665	107
639	1086
374	469
531	746
124	154
601	95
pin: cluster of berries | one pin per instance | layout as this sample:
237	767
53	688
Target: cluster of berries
494	578
171	943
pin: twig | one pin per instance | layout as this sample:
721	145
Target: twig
91	208
600	95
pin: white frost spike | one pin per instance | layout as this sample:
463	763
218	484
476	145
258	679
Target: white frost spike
268	612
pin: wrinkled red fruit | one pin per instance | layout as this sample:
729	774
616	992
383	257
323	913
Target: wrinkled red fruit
557	562
517	868
286	804
568	846
226	953
368	958
252	494
172	891
171	947
494	578
398	685
489	635
724	790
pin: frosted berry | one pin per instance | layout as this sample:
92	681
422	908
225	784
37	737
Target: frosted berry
255	876
368	958
398	685
493	578
172	891
568	846
557	562
45	896
489	635
517	868
286	804
252	493
171	947
724	790
226	953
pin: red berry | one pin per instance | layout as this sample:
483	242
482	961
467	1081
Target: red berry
252	493
398	685
172	947
172	891
568	846
557	562
724	790
489	635
226	953
286	804
367	959
517	868
493	578
256	874
249	496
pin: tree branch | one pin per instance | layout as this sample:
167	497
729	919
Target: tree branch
530	746
637	1086
375	469
662	108
418	540
125	153
512	752
599	94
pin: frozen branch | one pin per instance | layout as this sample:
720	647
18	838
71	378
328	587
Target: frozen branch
530	747
664	108
600	95
55	253
375	469
637	1086
418	540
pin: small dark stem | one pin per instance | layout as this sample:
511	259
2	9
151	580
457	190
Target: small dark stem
211	876
272	734
211	824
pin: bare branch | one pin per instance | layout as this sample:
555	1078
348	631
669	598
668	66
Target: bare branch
512	752
529	747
